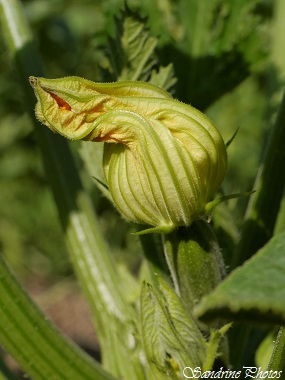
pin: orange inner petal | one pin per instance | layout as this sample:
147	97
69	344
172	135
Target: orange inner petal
63	105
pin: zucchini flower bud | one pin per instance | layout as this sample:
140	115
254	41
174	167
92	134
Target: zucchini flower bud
163	160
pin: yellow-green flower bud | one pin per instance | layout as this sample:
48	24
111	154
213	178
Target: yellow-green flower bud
166	159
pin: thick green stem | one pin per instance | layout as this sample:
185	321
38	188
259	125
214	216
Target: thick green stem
196	266
195	262
35	343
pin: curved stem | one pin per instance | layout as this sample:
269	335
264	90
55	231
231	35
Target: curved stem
37	345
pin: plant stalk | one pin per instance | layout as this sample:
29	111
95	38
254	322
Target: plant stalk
194	261
37	345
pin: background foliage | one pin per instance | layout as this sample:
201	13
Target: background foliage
227	62
235	91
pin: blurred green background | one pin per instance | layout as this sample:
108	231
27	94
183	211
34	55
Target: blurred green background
228	62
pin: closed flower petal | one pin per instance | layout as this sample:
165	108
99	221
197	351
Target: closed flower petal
163	160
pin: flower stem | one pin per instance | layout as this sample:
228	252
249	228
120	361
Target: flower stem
194	260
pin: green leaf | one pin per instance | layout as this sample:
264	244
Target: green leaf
170	337
264	351
254	292
264	207
132	53
220	40
164	77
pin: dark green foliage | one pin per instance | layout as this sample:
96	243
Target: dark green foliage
212	54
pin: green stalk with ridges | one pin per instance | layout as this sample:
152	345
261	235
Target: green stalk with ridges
37	345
